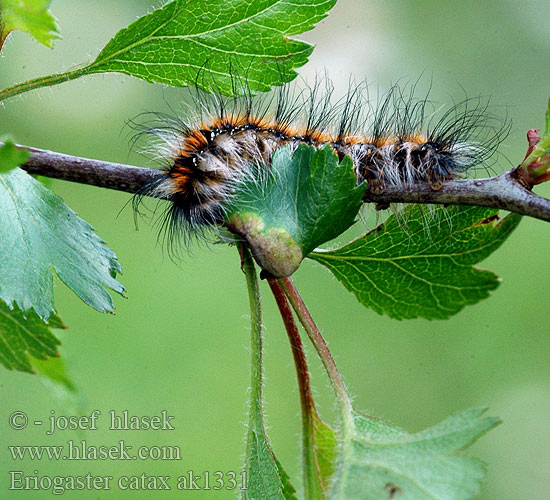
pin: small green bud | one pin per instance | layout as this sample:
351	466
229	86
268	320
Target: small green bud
273	248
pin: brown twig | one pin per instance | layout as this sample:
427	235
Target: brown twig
503	191
86	171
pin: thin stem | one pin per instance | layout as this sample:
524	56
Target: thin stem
502	192
44	81
320	345
302	374
85	171
247	263
342	397
298	353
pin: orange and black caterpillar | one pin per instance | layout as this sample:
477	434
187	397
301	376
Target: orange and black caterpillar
395	144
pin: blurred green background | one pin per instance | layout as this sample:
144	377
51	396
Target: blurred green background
180	341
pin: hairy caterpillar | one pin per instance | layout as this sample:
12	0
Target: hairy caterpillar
400	140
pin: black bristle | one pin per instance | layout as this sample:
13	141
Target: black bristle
401	139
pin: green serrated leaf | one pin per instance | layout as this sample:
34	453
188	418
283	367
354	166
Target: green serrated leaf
321	458
303	200
23	335
53	375
40	234
54	371
228	46
192	42
422	264
30	16
266	478
10	155
382	462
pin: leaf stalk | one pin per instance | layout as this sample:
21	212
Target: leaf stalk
320	345
304	387
45	81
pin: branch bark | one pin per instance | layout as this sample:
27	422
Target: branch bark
86	171
503	191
